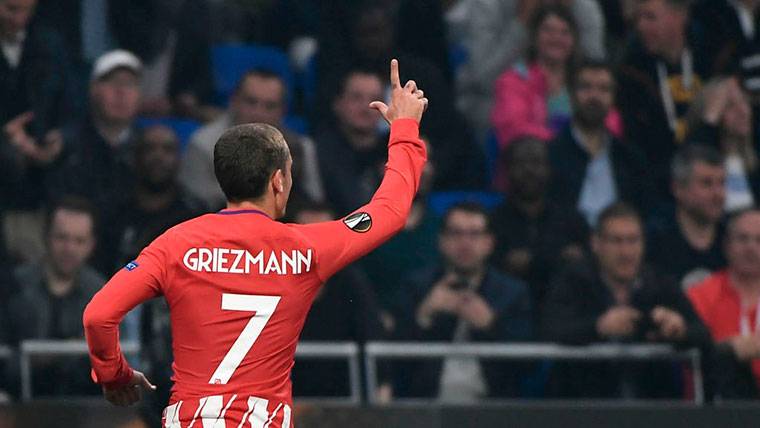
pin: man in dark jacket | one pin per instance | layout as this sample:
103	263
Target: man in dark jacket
591	168
617	299
463	300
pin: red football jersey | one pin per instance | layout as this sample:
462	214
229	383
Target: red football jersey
239	286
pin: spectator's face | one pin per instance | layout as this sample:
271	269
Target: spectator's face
259	99
743	245
659	24
157	158
14	16
703	195
373	34
116	96
352	106
70	241
466	243
619	248
593	97
529	169
313	216
554	40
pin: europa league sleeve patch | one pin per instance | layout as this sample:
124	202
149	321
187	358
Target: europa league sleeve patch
358	222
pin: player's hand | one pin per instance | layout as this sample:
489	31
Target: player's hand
670	323
407	102
130	393
618	321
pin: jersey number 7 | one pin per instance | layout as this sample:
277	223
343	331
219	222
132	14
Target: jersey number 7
262	307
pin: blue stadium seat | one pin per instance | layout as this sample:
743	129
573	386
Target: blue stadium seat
439	202
231	61
184	128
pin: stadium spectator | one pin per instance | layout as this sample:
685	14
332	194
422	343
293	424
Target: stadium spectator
531	98
53	293
687	246
591	168
172	40
411	248
722	118
497	35
463	300
352	151
660	76
260	96
731	38
729	304
534	235
364	36
98	161
34	103
617	298
345	309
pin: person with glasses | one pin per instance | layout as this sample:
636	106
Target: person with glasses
616	298
462	299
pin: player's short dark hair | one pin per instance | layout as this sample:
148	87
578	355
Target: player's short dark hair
245	157
682	165
73	203
469	207
574	71
616	211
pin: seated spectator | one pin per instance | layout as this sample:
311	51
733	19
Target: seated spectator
172	40
350	148
463	300
344	309
531	98
495	36
661	75
534	235
591	168
260	96
617	298
731	36
412	247
722	118
97	163
34	104
687	246
53	293
728	303
365	35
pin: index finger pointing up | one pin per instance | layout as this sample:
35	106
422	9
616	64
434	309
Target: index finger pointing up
395	80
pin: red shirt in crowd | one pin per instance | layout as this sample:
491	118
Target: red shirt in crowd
239	286
718	304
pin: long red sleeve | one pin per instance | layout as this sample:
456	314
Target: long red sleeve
340	242
139	281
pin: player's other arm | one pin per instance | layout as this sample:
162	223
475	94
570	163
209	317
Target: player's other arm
134	284
340	242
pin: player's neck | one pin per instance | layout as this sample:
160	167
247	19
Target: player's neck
747	286
263	206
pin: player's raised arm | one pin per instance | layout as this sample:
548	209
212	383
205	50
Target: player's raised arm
340	242
139	281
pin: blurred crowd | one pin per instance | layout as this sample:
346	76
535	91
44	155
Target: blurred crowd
593	177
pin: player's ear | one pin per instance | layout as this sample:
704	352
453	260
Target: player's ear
278	181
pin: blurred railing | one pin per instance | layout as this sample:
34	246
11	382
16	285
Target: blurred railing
309	350
528	351
399	350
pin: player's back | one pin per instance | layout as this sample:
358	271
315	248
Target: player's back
239	286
